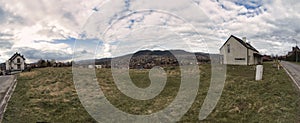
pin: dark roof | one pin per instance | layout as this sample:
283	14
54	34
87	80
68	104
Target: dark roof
296	49
247	45
15	55
257	54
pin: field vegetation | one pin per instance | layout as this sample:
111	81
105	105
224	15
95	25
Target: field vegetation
49	95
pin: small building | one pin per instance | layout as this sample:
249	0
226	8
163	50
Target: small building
15	63
267	58
2	66
236	51
293	55
91	66
98	66
2	69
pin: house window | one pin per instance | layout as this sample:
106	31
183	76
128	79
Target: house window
240	59
228	48
19	67
18	60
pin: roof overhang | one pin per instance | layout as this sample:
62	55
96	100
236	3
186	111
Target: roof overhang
245	44
257	55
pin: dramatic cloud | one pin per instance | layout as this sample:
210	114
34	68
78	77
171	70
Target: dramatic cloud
48	29
41	26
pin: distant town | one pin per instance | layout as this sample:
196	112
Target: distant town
234	51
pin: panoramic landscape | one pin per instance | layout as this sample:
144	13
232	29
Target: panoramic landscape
149	61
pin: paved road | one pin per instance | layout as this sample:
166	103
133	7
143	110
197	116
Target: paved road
5	83
293	71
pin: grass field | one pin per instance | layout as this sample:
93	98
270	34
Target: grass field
49	95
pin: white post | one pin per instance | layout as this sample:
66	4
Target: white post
259	72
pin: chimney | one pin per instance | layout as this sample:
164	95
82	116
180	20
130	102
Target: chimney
245	39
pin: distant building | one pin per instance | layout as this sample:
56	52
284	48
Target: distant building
98	66
236	51
91	66
2	68
267	58
15	63
294	54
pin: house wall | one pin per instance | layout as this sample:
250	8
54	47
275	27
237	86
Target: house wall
252	60
13	65
237	52
7	64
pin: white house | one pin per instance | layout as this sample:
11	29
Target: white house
98	66
236	51
91	66
15	63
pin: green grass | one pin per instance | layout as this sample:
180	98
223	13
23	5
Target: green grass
49	95
46	95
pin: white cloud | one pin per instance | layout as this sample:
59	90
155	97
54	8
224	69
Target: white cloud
38	25
272	26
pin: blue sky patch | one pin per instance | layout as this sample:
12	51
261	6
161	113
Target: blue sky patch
249	4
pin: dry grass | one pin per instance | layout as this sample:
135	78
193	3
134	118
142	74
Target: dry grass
46	95
49	95
29	74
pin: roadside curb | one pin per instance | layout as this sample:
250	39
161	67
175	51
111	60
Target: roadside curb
7	97
295	82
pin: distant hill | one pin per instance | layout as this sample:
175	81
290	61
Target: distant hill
147	59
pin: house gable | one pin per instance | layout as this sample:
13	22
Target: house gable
15	63
16	55
245	44
238	52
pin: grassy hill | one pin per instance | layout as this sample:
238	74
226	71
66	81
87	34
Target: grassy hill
49	95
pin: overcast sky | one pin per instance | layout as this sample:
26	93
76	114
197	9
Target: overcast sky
48	29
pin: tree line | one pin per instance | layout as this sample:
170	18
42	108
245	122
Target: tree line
49	63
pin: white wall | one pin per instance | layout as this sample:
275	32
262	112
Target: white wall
13	65
7	65
252	60
237	50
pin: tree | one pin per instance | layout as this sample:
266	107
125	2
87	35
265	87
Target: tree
42	63
52	62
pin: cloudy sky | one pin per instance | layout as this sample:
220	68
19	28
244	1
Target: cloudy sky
49	29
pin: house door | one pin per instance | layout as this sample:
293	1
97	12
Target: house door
19	67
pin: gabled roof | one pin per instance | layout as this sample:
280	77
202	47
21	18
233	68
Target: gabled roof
247	45
295	49
15	55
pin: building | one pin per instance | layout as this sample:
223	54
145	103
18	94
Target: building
91	66
15	63
2	68
294	55
267	58
236	51
98	66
